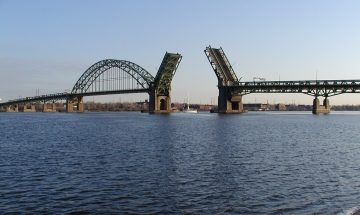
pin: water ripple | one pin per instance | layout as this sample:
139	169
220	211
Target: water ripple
132	163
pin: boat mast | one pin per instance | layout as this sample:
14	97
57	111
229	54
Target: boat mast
188	100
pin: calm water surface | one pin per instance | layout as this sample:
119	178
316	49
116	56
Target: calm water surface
133	163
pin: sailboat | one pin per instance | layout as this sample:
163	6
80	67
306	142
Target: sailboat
188	109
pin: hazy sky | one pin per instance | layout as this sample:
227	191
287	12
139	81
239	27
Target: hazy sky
47	45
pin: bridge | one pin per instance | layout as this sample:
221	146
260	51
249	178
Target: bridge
231	89
111	77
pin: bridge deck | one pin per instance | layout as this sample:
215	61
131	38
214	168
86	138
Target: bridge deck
325	88
64	96
166	72
221	65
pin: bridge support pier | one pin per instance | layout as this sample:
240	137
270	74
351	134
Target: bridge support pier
228	103
29	110
12	108
70	104
159	103
80	105
318	109
49	110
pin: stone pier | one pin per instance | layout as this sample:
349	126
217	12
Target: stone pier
228	103
159	103
70	104
318	109
29	110
49	110
12	108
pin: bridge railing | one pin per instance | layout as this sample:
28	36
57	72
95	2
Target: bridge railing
302	83
324	88
41	98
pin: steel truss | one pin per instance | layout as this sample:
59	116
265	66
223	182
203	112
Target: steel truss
113	75
104	77
166	73
325	88
221	66
38	99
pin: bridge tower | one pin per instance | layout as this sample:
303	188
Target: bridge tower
160	88
229	99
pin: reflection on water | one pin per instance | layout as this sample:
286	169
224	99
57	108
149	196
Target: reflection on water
262	162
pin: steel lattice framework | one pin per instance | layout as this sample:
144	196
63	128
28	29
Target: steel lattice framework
325	88
38	99
228	81
113	75
166	73
221	66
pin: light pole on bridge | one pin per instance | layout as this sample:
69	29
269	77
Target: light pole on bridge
279	76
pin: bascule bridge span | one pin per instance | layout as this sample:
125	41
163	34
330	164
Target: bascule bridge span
111	77
231	90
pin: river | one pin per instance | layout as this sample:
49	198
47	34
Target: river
137	163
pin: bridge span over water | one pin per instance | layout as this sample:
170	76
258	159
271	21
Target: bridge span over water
119	76
111	77
231	89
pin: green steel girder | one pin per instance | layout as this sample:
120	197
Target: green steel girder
325	88
138	73
38	99
162	81
166	73
221	66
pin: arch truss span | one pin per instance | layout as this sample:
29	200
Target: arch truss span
113	76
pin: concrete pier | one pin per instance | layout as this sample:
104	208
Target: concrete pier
12	108
80	104
318	109
70	104
159	103
49	110
228	103
29	110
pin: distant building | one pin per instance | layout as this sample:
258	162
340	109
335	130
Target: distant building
206	107
280	107
256	107
264	107
177	106
305	107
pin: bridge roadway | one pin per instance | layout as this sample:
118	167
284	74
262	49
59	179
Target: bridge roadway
119	77
111	77
316	88
325	88
59	96
64	96
231	90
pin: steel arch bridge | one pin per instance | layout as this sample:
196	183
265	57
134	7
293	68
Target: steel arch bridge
112	76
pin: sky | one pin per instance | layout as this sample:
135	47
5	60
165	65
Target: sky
45	46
